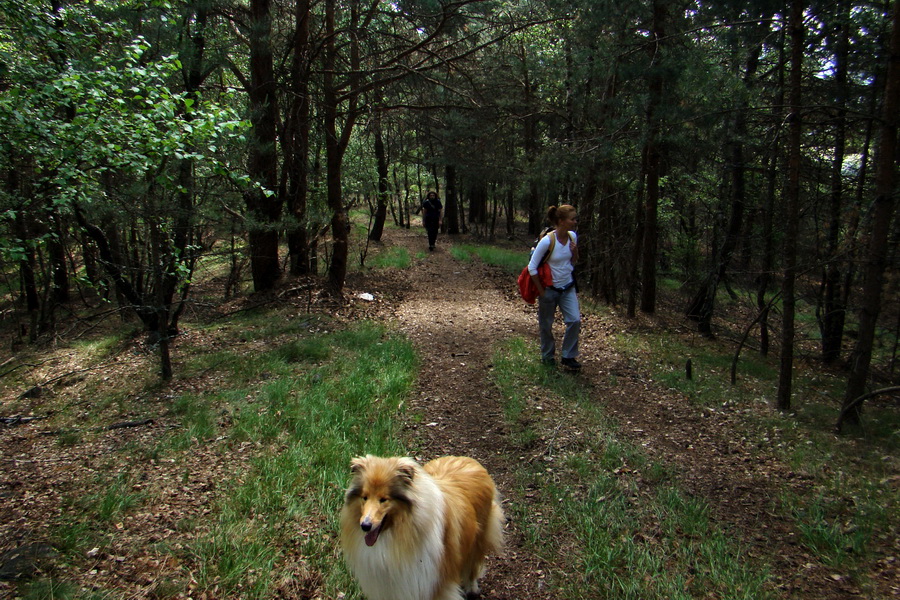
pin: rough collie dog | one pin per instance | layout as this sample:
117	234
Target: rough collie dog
412	532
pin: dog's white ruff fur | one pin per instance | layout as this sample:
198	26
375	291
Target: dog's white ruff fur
386	572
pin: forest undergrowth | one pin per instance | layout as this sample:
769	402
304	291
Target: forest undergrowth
628	480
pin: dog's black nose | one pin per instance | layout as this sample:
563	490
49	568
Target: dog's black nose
366	525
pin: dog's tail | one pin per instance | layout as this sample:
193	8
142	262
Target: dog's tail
493	535
490	542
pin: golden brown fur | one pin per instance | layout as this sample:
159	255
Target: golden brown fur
419	533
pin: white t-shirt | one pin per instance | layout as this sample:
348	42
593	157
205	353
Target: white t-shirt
560	260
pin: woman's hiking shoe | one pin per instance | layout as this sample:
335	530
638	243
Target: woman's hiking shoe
570	363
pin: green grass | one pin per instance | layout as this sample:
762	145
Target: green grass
302	405
197	420
90	520
115	498
394	257
837	543
73	534
621	520
509	260
264	325
313	424
109	499
846	509
666	356
236	558
101	348
299	395
55	589
303	350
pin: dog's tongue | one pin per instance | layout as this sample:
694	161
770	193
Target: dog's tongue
372	536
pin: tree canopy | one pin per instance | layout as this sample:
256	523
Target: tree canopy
719	145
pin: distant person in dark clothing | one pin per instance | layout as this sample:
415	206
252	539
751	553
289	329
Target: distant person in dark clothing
432	216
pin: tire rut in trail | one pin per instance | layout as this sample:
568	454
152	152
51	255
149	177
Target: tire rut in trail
454	313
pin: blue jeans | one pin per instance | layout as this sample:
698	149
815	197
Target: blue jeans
567	302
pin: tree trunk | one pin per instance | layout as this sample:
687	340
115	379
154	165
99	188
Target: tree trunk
702	307
263	205
792	218
163	278
478	202
336	142
877	251
184	220
634	279
768	252
510	212
654	158
296	143
650	244
381	163
27	267
451	201
57	251
124	286
831	321
340	250
597	241
768	218
853	222
530	145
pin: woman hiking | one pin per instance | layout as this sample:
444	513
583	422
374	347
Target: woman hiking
562	258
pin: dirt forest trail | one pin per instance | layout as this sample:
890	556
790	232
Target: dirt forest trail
455	312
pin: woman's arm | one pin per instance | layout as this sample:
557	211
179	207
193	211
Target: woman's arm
537	256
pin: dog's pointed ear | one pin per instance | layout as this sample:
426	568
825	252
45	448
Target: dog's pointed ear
407	470
357	465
